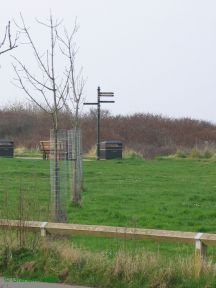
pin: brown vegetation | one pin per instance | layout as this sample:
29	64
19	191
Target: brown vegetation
150	135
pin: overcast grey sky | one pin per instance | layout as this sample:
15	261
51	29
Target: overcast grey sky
158	56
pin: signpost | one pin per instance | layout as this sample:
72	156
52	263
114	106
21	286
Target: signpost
98	103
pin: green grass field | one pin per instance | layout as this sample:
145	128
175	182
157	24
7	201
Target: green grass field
162	194
173	194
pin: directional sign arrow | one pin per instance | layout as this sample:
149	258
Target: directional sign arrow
106	94
107	101
90	103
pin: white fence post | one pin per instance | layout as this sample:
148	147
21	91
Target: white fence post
200	254
43	229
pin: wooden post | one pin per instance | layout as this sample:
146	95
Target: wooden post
98	124
43	229
200	254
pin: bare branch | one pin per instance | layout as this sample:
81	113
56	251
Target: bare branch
30	76
26	31
70	87
26	90
58	23
8	38
5	36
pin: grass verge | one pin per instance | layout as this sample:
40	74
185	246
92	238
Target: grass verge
62	261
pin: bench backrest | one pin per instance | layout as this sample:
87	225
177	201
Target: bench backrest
45	146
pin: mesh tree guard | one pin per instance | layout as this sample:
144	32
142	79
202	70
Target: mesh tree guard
66	171
59	175
75	154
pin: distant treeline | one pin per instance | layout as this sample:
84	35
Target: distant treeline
150	135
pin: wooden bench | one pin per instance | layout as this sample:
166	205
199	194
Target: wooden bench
45	148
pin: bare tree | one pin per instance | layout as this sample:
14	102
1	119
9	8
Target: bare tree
7	44
52	87
73	104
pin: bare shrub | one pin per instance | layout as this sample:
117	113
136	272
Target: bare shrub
149	135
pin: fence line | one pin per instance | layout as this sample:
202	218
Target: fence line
200	240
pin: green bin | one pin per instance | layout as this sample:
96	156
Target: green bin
6	148
111	150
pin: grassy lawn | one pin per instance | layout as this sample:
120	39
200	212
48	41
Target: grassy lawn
24	181
162	194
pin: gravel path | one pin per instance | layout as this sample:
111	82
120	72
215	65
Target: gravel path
15	283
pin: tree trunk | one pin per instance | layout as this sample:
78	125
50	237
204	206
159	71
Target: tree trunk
59	214
76	181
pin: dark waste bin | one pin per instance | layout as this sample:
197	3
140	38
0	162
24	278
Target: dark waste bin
6	148
111	150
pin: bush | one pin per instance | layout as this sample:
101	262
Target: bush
24	152
180	154
132	154
195	154
207	154
91	153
